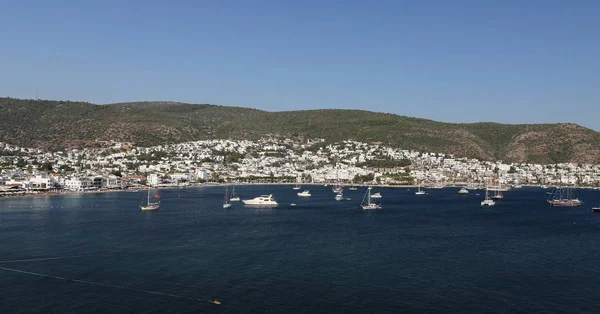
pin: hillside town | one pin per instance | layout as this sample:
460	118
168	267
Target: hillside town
119	165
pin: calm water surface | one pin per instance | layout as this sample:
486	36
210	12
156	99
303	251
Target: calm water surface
435	253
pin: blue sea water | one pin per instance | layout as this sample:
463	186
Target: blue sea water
435	253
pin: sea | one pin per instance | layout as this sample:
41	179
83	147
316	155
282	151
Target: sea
435	253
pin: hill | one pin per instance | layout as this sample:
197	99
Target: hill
62	124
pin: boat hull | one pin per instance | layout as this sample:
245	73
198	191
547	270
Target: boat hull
149	207
559	203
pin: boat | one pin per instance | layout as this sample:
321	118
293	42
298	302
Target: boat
233	197
225	201
261	200
376	195
562	197
463	191
596	209
297	185
293	204
419	191
304	193
338	187
498	195
151	205
366	202
498	187
339	197
487	201
352	188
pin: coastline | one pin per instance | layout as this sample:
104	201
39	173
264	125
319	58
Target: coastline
66	193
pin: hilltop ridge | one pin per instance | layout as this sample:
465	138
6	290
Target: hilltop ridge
63	124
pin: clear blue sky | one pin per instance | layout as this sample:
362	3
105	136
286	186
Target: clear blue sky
523	61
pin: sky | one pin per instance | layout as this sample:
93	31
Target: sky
534	61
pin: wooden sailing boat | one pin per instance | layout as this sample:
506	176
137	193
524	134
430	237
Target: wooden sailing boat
563	197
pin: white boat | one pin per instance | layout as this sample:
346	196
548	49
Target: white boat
366	202
352	188
151	205
304	193
261	200
293	204
225	202
233	197
419	191
487	201
463	191
337	189
376	195
339	197
298	182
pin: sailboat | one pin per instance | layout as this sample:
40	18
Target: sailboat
298	181
498	195
151	205
366	202
563	197
487	201
226	203
233	197
498	186
419	191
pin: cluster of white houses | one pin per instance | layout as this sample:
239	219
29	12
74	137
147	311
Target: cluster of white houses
125	166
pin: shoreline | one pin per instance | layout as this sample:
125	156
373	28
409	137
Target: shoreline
66	193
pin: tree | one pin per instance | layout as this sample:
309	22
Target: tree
47	166
116	173
21	163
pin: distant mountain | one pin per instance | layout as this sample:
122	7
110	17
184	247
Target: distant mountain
62	124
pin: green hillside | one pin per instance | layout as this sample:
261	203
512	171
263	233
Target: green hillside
61	124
